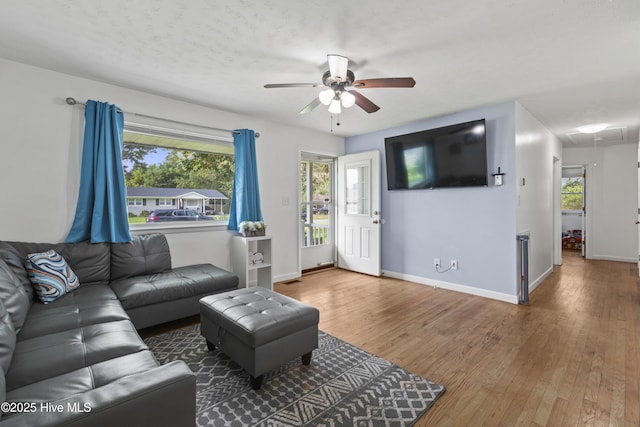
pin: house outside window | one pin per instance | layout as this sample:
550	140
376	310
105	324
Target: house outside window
177	169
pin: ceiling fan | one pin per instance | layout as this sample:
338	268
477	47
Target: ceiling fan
341	84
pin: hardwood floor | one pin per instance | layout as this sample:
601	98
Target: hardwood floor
572	357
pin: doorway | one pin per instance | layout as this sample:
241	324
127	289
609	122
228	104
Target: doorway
317	212
574	214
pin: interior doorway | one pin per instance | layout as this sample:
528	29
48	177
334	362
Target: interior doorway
574	213
317	212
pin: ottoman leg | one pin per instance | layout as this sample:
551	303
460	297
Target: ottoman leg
306	359
256	382
210	346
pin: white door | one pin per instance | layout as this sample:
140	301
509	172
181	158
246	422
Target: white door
359	212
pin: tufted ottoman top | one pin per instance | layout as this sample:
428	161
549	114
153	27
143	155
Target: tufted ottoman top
256	315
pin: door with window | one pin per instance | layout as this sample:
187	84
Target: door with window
359	212
317	211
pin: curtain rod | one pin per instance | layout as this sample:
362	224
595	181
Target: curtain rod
72	101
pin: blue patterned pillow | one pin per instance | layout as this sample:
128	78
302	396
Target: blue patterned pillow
50	275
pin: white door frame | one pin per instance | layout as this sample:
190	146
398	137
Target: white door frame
557	211
309	150
585	210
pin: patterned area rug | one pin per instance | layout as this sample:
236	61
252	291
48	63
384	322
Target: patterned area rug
343	386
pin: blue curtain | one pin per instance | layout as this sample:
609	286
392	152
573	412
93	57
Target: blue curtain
101	213
245	200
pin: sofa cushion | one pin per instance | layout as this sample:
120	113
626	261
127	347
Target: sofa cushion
7	339
47	356
84	379
86	306
89	261
13	296
181	282
50	275
145	254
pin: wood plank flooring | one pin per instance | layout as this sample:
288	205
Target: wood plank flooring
572	357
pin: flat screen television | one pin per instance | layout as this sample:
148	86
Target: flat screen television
450	156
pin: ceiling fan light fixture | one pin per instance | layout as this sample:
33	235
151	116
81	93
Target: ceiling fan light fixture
326	96
594	128
348	100
334	108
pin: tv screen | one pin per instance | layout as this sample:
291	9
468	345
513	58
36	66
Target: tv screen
450	156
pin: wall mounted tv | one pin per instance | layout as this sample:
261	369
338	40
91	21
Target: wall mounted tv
450	156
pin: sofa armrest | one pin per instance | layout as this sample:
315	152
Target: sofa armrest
163	396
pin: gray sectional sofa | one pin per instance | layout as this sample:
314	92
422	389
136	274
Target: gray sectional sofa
79	359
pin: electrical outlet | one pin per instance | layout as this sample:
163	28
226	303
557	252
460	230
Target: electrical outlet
454	264
436	262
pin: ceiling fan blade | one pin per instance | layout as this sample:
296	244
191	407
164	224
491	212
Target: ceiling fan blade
338	65
385	82
280	85
310	106
365	103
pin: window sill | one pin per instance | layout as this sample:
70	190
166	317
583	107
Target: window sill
169	228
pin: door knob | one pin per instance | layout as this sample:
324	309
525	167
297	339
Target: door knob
375	221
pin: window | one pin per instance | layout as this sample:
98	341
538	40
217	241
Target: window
572	194
183	169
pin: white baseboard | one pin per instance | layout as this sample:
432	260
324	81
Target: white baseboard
285	277
513	299
614	258
535	283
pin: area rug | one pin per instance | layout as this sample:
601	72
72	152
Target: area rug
343	386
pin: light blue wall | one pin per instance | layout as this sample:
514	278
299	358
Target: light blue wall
476	226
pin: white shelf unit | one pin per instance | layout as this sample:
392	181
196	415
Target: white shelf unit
250	274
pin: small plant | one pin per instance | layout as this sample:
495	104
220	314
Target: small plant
252	228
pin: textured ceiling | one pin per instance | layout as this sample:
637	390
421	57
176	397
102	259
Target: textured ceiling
569	62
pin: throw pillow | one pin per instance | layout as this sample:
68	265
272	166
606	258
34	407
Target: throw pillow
50	275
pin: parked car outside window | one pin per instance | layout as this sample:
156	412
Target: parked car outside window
162	215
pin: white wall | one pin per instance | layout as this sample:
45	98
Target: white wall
536	148
41	149
476	226
571	220
611	198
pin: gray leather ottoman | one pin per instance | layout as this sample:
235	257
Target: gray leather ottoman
259	329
